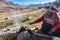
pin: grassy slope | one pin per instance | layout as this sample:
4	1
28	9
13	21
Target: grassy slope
34	15
4	15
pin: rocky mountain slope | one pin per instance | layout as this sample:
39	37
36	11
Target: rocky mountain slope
38	6
4	5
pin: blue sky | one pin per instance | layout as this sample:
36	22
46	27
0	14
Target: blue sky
27	2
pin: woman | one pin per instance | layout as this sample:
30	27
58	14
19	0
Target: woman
50	22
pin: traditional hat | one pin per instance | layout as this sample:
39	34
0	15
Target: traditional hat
48	7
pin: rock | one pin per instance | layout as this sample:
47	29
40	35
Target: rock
23	35
9	33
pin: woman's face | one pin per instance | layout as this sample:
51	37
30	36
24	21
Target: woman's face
50	13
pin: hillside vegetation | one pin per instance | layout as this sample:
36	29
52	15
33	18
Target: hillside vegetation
34	15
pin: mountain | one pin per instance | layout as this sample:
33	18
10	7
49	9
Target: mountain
3	3
33	6
23	5
6	5
38	6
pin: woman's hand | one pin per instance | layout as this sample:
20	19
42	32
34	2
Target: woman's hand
31	23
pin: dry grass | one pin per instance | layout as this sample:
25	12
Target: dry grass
4	15
8	37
